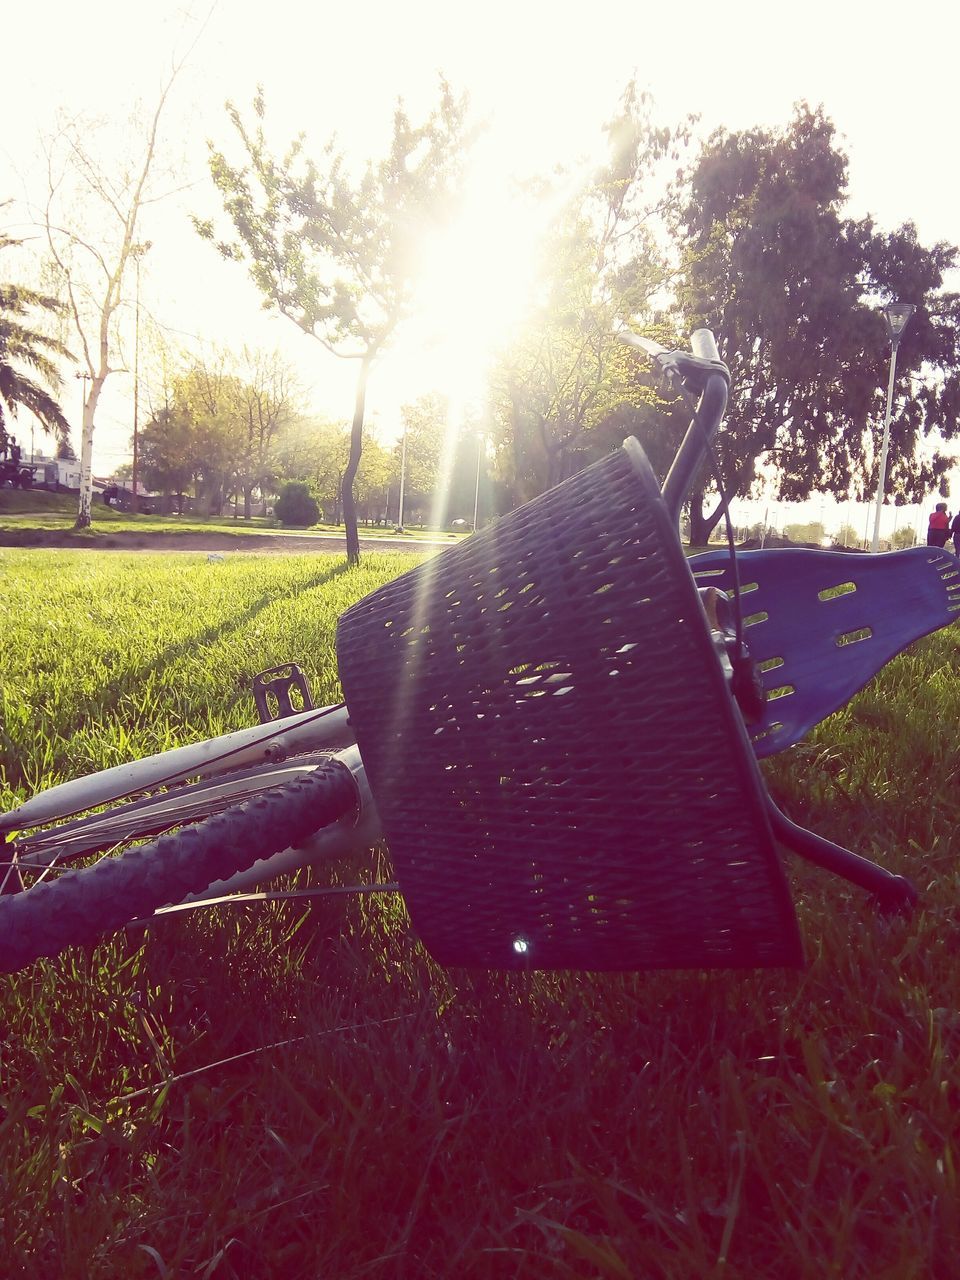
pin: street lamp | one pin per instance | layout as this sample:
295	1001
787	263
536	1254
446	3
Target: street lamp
897	314
84	378
476	491
136	252
403	476
86	456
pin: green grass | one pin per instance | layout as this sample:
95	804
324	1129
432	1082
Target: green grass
22	511
357	1112
37	509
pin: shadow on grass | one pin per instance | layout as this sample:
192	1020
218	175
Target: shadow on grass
101	702
212	635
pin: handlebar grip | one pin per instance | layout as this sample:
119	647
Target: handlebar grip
652	348
704	345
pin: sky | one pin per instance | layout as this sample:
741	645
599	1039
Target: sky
544	78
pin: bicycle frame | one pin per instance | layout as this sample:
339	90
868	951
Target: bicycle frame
279	743
266	755
324	728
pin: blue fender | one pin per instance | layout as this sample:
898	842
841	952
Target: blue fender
820	624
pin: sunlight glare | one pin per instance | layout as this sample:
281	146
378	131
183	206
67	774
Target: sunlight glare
479	280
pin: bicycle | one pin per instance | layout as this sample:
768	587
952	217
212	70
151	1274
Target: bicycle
538	683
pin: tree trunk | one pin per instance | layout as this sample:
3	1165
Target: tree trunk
356	448
85	505
247	500
84	513
702	524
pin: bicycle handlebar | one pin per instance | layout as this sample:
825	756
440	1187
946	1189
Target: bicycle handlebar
704	345
701	369
693	366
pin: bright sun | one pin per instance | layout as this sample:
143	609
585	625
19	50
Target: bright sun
477	286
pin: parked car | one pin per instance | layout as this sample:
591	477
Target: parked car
16	474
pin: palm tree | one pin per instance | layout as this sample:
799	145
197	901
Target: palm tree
26	358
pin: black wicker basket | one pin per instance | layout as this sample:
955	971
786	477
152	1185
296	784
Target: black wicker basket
561	774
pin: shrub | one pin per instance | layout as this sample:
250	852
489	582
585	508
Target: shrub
297	506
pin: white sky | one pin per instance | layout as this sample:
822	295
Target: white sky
545	75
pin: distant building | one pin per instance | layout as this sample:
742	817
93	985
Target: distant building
61	474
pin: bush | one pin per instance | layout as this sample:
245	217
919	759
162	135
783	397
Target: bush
297	506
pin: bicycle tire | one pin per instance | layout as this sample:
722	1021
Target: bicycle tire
85	904
152	815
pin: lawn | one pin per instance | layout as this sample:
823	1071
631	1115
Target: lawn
303	1092
37	509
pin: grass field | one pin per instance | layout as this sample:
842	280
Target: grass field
303	1093
22	510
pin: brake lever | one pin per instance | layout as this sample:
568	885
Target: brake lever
702	370
684	366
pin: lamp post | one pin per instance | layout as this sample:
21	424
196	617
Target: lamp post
897	314
86	456
476	491
137	251
84	378
403	474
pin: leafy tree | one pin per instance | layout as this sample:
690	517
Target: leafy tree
813	531
560	386
208	392
171	458
373	481
441	463
296	506
467	487
216	430
265	398
422	451
317	453
794	292
340	257
26	358
847	536
235	410
905	536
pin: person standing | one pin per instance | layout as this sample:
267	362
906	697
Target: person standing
938	527
955	533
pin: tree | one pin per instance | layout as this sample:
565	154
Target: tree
296	506
794	293
316	453
340	258
191	439
567	376
208	392
265	400
847	536
373	481
217	424
171	458
422	453
26	359
905	536
812	531
92	221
